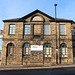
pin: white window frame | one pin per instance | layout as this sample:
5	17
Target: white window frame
12	29
10	54
63	51
26	33
62	30
47	51
26	50
48	30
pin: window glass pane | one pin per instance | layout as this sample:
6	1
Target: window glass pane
12	29
45	55
27	29
72	32
62	29
73	43
63	51
50	50
46	29
27	49
27	45
10	49
47	49
49	55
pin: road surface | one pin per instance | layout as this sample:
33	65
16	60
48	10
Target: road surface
53	71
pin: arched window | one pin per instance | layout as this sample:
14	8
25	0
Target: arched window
26	49
37	18
47	50
63	50
10	49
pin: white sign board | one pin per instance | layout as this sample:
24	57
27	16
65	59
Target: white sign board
36	47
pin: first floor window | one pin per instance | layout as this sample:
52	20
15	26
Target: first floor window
46	29
10	49
27	30
26	49
63	50
47	50
62	29
12	29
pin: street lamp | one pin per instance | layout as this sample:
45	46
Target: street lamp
56	25
56	35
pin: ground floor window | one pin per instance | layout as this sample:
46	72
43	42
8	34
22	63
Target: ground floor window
63	50
10	49
26	49
47	50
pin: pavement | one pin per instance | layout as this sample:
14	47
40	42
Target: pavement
22	67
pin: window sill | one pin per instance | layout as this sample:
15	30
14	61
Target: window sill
11	34
27	34
47	35
47	57
26	56
63	35
65	57
9	56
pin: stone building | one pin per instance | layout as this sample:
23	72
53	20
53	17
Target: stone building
32	39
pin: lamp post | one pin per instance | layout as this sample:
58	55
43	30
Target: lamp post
56	24
56	35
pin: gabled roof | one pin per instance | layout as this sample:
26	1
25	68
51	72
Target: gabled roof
34	12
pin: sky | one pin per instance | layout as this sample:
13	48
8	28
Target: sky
10	9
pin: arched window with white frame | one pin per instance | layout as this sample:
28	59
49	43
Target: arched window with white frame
47	50
26	49
63	50
10	49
